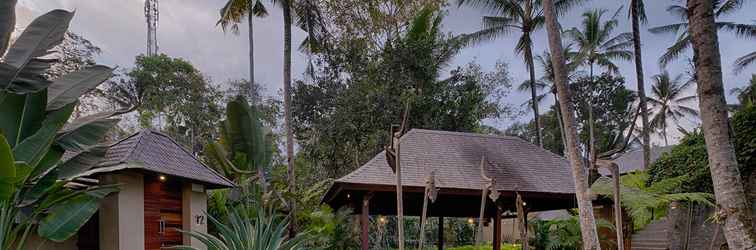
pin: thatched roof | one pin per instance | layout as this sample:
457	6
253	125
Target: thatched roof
515	164
157	152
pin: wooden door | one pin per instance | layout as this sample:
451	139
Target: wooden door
162	213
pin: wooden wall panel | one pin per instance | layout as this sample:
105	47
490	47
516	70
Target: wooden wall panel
152	190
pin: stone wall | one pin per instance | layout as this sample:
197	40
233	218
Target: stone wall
703	234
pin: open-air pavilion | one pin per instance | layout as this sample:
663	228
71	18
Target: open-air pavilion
543	179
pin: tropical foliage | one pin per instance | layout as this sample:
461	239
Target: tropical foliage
563	234
35	133
249	228
671	101
689	157
646	202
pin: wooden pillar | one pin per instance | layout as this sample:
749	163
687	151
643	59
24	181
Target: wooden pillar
365	221
440	233
497	229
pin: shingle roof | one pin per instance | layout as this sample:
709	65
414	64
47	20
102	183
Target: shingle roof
157	152
633	160
516	165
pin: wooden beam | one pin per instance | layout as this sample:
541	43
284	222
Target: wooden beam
497	229
440	233
365	221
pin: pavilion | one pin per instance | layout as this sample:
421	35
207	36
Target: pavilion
543	179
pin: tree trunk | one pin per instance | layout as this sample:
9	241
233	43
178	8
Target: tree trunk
251	85
559	121
533	94
587	221
591	125
634	5
287	113
728	187
251	52
619	229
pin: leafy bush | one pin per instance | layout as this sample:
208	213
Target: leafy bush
690	158
488	246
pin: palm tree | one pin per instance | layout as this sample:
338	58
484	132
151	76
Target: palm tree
638	16
544	60
525	16
728	188
598	47
670	100
682	31
579	174
232	14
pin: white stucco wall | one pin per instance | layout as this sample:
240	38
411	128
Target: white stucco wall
194	208
122	214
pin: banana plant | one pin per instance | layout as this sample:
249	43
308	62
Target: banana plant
244	148
35	133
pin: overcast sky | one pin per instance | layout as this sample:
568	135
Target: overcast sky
187	29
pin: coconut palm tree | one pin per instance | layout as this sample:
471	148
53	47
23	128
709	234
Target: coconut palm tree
286	5
579	173
732	204
638	16
681	29
232	14
669	100
597	47
524	16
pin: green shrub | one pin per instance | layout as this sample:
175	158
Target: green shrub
689	157
488	246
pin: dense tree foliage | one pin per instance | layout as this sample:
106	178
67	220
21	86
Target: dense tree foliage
612	108
689	157
342	118
171	94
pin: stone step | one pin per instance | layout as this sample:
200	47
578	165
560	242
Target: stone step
648	244
648	248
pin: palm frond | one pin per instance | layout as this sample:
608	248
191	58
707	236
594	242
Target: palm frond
744	61
674	51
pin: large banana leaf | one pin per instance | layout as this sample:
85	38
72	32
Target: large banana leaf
68	88
44	185
65	219
80	162
7	169
85	132
21	72
7	23
34	148
22	115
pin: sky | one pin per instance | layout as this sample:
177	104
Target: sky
187	29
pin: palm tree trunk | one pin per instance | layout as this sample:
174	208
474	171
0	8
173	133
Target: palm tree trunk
250	18
634	5
587	221
591	135
559	120
728	186
534	94
287	113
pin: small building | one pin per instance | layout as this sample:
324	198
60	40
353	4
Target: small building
543	179
162	188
